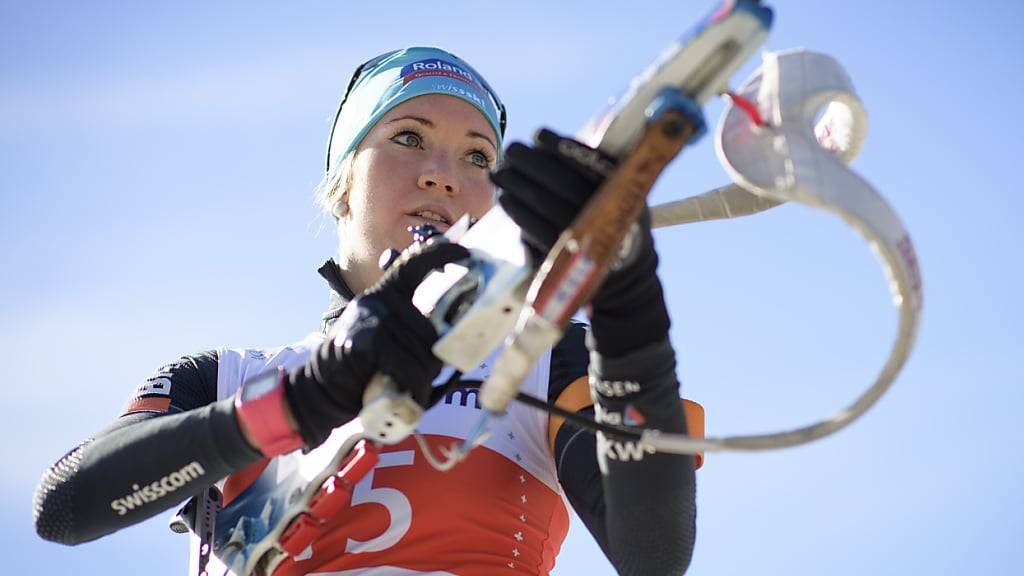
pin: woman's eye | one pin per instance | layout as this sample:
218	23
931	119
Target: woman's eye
408	138
480	159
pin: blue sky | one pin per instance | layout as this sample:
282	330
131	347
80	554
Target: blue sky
158	163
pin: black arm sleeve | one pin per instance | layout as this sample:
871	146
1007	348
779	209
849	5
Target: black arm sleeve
569	360
580	476
639	507
172	442
575	447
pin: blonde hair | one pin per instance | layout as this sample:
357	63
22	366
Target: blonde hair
335	185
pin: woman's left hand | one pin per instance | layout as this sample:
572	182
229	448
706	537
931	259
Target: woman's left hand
544	188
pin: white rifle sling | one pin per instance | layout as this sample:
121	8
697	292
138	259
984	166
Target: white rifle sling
788	160
842	130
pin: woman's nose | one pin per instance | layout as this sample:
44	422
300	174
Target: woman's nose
438	178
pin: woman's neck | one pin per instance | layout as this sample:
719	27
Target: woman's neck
358	275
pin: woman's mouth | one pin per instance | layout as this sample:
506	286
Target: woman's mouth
432	217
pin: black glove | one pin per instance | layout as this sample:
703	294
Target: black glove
543	189
380	331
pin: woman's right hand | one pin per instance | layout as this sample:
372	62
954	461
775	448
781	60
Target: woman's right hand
380	331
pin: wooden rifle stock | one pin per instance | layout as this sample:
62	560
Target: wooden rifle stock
580	260
582	256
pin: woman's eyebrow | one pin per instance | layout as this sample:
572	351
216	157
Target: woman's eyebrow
475	134
419	119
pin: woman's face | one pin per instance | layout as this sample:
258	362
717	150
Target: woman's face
425	162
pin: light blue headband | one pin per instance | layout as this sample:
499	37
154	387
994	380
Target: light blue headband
390	79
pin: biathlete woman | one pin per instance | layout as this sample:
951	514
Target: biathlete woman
418	140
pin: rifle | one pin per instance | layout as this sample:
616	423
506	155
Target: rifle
476	304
